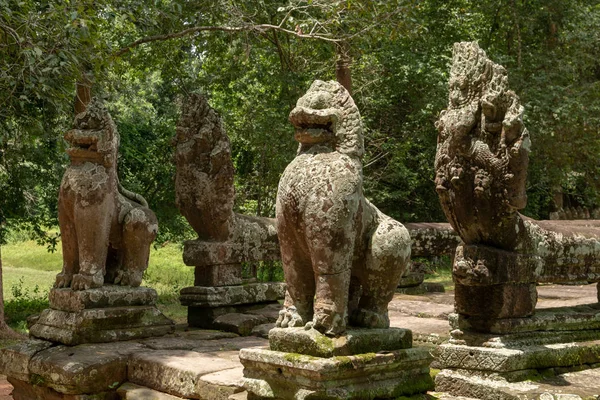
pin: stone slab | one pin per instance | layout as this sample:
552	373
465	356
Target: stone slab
221	346
263	330
568	386
101	325
67	299
222	384
131	391
88	368
204	317
505	360
581	317
242	324
411	279
277	375
355	341
186	340
521	339
203	296
14	360
176	372
200	253
28	391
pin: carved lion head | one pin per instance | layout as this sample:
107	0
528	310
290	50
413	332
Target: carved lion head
327	114
94	136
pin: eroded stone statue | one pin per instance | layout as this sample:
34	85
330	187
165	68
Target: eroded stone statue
481	167
204	181
342	257
106	230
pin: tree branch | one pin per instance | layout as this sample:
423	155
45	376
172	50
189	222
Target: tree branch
261	28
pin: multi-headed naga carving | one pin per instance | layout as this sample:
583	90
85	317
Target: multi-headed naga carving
106	230
481	167
341	256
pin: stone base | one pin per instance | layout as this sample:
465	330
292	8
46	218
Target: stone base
235	309
577	318
514	363
567	386
356	341
223	296
106	314
411	279
278	375
27	391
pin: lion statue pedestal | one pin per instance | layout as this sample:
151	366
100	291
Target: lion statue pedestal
342	259
106	232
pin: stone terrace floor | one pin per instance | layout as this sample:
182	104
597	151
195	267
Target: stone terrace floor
425	314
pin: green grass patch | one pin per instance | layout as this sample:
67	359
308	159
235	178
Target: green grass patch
438	271
29	254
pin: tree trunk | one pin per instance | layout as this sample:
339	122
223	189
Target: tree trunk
5	331
342	66
83	93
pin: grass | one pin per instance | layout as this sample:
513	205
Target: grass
440	271
29	271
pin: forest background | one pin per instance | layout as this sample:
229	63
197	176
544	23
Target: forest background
254	59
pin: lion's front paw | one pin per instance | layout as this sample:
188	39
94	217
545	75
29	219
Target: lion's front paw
63	280
289	318
84	282
370	319
129	278
329	323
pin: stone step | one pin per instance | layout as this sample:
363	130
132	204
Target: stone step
131	391
569	386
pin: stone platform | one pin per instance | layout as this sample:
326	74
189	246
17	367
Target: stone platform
197	364
105	314
500	365
237	309
362	364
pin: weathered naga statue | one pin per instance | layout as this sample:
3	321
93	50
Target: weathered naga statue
204	181
481	170
106	230
342	257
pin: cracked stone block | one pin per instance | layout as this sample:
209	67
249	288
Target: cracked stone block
14	360
242	324
87	368
176	372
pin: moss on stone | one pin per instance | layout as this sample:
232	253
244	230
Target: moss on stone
324	344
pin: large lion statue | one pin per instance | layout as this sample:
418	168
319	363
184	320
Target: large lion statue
106	230
342	257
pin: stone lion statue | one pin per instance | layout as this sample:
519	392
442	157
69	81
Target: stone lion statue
342	257
106	230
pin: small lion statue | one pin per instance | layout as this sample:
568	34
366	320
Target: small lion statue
342	257
106	230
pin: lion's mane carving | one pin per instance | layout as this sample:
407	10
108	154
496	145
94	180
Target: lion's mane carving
342	257
106	230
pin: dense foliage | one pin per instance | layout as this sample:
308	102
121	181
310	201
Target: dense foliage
253	74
